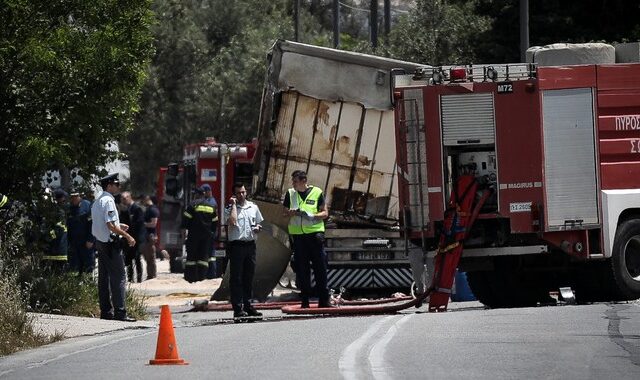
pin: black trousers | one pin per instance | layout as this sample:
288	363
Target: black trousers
198	251
308	252
111	280
132	259
242	259
81	258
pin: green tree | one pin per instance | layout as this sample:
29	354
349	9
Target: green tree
70	74
552	21
205	79
438	32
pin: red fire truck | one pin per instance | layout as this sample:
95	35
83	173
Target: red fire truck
210	162
555	153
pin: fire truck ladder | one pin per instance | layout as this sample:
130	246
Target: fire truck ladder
416	162
415	210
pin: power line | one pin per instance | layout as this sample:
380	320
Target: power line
354	8
367	10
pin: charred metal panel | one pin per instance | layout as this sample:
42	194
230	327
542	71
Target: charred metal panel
340	145
569	155
345	138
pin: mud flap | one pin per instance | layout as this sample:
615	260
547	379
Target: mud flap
421	269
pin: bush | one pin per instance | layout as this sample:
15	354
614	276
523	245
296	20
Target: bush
64	293
16	326
24	286
17	330
71	294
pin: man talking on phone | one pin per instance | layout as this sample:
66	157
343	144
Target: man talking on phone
244	220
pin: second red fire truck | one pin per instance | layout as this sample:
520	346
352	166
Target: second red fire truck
219	165
552	158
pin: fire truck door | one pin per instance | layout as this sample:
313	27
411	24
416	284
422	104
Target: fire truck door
569	157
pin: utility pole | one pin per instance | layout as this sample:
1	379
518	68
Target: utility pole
387	19
296	20
524	29
374	23
336	23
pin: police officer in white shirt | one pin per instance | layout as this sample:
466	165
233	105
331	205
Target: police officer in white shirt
244	220
108	231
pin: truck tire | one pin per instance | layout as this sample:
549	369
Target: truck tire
506	286
625	260
593	282
496	290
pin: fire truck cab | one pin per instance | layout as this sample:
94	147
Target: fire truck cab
559	146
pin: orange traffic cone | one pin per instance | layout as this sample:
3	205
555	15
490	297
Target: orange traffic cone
166	348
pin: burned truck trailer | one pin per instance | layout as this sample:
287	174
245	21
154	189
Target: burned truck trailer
329	113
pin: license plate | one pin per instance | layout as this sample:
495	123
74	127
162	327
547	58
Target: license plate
220	253
520	207
374	256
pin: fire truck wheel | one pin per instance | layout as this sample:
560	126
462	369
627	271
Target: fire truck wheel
481	289
625	259
593	282
495	290
505	287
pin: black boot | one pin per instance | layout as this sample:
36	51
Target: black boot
252	312
240	316
324	303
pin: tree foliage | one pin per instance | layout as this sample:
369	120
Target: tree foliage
207	74
438	32
70	74
205	79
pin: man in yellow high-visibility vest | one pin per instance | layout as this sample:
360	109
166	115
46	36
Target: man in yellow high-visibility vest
305	205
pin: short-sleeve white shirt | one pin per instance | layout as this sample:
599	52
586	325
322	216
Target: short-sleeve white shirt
103	211
248	215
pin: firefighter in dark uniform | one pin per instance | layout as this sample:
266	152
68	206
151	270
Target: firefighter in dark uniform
81	241
211	201
56	256
199	224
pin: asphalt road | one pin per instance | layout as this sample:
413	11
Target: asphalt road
570	342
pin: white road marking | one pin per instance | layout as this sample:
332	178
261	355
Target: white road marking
376	355
348	362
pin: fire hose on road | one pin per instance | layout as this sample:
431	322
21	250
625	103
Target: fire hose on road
460	216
